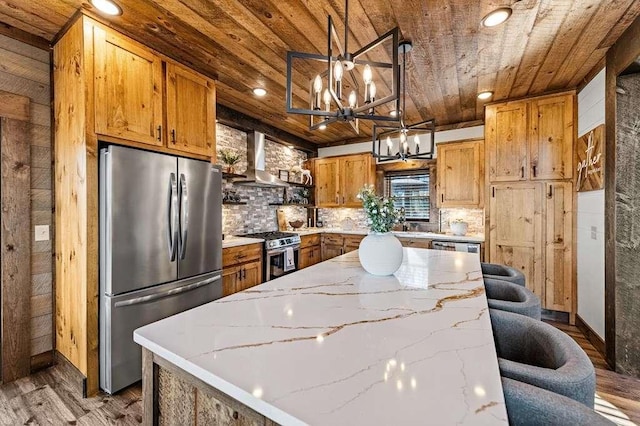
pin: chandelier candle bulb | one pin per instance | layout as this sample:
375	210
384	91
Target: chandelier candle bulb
317	89
353	99
367	77
327	100
416	140
337	73
389	145
372	95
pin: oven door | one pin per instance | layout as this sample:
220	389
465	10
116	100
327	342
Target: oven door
275	264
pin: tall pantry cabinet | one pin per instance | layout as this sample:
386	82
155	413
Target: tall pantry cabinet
530	213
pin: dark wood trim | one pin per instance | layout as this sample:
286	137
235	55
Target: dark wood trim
14	106
23	36
238	120
625	50
15	250
591	335
42	361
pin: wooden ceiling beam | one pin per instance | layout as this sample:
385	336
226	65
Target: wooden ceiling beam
21	35
238	120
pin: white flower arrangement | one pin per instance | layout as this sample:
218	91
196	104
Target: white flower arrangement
381	213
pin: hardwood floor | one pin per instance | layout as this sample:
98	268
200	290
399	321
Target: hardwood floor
50	398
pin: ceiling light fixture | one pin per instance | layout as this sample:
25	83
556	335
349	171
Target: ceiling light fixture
402	141
322	126
485	95
342	85
107	7
496	17
259	91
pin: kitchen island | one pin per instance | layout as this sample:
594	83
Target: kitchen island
332	345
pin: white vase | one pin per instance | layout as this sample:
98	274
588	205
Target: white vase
380	253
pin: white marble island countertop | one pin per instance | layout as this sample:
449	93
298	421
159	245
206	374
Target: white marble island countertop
471	238
333	345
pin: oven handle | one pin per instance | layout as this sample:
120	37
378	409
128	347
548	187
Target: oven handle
282	250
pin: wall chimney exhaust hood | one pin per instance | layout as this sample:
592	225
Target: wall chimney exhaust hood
256	175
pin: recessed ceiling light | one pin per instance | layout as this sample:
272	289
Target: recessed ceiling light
322	126
259	91
107	7
485	95
496	17
290	147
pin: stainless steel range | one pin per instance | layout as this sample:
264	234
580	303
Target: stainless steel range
281	253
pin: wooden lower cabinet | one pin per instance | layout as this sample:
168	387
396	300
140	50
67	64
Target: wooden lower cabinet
415	242
241	268
309	256
531	229
352	242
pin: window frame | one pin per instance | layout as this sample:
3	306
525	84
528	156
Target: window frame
430	171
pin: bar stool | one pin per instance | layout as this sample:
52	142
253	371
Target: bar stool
502	272
529	405
537	353
507	296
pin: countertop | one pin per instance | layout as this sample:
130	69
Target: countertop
333	345
239	241
472	238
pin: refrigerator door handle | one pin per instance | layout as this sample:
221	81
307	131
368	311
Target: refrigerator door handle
184	215
172	209
168	293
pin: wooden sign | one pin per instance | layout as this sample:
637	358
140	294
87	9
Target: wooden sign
590	160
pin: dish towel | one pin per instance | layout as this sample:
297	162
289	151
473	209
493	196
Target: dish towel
289	260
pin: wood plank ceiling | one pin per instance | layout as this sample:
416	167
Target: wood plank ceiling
547	45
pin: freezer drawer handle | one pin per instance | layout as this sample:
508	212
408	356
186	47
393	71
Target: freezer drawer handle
184	215
172	209
172	292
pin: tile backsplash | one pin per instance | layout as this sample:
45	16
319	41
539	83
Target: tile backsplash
257	215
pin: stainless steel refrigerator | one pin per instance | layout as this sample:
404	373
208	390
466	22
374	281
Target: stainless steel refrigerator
160	249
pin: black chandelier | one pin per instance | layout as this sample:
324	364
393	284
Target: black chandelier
399	141
369	75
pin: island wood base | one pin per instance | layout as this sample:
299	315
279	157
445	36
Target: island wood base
171	396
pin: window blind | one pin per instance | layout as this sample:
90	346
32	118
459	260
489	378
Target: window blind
409	190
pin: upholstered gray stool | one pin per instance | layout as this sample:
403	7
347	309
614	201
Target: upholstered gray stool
536	353
502	272
530	405
507	296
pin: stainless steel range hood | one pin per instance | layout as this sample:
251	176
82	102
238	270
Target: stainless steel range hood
256	175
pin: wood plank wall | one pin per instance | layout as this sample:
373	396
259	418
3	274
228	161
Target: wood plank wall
25	70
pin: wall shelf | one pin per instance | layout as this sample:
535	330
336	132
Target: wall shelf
226	175
291	204
300	185
234	203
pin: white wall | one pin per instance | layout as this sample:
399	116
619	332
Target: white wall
444	136
591	215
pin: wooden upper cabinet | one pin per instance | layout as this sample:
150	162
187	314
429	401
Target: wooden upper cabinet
354	174
506	139
127	89
327	182
190	111
460	174
551	137
339	179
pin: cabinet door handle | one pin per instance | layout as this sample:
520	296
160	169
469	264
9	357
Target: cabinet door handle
239	275
173	135
534	170
159	129
337	199
244	273
442	197
522	172
493	192
550	191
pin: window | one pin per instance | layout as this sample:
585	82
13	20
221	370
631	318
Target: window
409	190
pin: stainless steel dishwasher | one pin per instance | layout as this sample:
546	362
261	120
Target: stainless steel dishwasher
454	246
